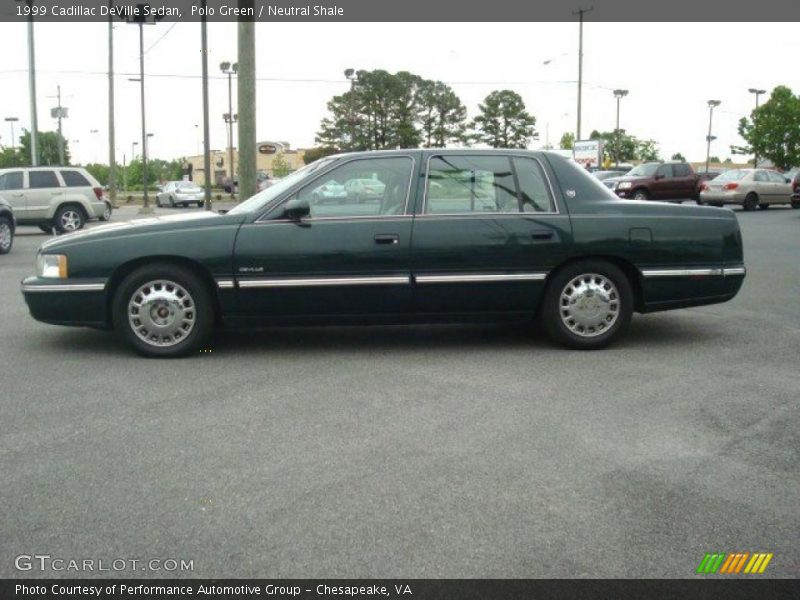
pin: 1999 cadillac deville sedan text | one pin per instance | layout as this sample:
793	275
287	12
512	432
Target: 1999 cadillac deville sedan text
445	235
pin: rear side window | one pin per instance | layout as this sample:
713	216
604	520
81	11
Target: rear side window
665	171
11	181
43	179
74	179
776	177
761	177
681	170
486	184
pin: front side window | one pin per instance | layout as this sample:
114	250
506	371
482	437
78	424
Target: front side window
43	179
11	181
361	188
74	179
486	184
761	177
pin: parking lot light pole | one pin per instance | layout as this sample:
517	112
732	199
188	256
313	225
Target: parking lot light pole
712	104
230	70
580	12
757	92
619	95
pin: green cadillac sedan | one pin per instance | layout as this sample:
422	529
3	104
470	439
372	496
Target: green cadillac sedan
454	236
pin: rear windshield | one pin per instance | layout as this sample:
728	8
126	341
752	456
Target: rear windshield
734	175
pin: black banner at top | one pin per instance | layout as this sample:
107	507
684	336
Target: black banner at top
402	10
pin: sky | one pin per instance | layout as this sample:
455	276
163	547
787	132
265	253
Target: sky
670	69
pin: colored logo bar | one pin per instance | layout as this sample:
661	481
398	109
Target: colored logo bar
734	563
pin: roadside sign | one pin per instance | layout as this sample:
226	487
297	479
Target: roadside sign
588	153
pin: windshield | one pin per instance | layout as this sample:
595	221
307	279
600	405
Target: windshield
734	175
264	197
646	170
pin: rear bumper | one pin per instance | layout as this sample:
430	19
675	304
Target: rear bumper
67	302
723	197
667	288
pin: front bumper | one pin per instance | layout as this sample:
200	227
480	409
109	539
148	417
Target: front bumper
67	301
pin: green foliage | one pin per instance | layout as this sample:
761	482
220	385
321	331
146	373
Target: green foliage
678	156
391	110
280	166
773	130
568	141
47	143
714	159
624	148
100	172
12	157
157	170
503	121
316	153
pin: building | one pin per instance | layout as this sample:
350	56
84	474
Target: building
265	157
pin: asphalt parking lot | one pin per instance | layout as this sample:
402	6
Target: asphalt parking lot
445	452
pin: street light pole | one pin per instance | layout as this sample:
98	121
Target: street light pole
757	93
230	70
709	138
619	95
353	77
32	91
206	142
580	12
112	159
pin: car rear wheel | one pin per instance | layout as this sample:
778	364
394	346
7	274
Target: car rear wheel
750	202
163	311
69	218
795	203
587	305
6	235
640	195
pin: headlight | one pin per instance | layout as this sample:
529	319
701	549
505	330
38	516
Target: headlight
624	185
51	265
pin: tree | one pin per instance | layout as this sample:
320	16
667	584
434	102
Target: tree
280	166
714	159
773	130
316	153
99	171
647	150
567	141
626	147
442	115
678	156
504	122
12	157
47	143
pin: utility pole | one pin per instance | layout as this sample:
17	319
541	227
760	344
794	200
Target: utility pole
709	138
247	105
757	93
32	91
206	142
230	118
580	12
619	95
112	159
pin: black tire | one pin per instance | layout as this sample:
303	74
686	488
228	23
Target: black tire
69	218
795	204
199	309
6	235
763	206
199	205
595	273
158	201
640	194
48	229
171	202
750	202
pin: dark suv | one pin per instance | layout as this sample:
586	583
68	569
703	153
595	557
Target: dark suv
659	181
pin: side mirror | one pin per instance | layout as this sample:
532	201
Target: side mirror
295	209
658	176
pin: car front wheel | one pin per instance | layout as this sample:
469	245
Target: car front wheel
163	311
587	305
750	202
640	195
6	235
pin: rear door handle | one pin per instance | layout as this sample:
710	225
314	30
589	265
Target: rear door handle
542	235
387	238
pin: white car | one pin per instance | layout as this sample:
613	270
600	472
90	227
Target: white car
64	198
180	193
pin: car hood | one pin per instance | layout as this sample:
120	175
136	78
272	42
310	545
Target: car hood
144	225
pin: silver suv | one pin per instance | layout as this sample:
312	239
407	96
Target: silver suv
63	198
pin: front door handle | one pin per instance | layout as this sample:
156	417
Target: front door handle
542	235
387	238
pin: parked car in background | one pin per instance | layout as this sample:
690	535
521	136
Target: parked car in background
329	191
508	235
8	225
263	181
180	193
675	181
749	188
794	176
60	198
364	189
603	175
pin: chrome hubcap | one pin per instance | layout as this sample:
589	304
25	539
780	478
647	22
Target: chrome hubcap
70	220
5	236
589	305
162	313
